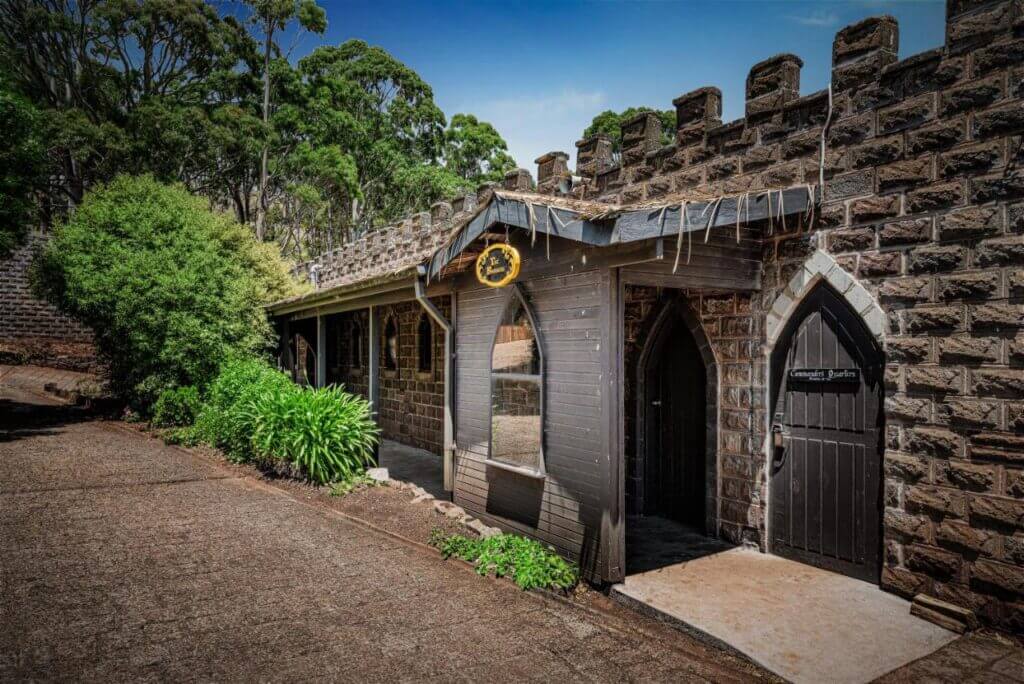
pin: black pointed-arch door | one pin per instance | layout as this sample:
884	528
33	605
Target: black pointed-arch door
826	466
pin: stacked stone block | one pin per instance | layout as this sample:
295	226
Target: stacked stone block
31	330
411	401
921	217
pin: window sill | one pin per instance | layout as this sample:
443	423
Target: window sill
528	472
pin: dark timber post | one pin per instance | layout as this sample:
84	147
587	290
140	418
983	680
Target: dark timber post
373	368
613	529
321	351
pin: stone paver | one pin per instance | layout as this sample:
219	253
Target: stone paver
980	657
34	378
121	558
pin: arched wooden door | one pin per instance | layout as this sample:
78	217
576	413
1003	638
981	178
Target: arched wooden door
674	393
826	467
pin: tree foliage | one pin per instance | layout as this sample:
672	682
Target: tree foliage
474	151
22	166
609	123
170	288
308	154
126	85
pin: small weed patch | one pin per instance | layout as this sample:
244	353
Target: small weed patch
529	564
353	483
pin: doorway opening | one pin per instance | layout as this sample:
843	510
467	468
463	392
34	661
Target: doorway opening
671	497
827	429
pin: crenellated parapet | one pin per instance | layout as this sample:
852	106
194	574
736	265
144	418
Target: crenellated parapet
779	139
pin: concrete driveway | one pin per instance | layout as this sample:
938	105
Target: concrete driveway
121	558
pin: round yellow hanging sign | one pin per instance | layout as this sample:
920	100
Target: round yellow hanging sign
498	265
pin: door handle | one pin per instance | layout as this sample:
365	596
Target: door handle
778	436
656	402
778	444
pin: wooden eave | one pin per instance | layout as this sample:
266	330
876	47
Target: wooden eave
603	225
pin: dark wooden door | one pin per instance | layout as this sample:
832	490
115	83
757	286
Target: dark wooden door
674	478
826	477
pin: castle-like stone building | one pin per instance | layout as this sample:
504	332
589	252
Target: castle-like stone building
802	330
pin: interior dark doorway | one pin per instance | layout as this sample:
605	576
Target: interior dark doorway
674	391
670	506
826	450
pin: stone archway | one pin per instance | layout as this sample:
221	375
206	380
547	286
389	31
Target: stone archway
821	285
821	266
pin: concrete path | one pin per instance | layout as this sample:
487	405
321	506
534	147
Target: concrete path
805	624
124	559
418	466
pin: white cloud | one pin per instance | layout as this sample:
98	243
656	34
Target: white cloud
819	17
532	106
533	124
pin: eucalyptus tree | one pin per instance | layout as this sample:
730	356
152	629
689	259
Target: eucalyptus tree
125	85
379	113
22	166
475	151
270	18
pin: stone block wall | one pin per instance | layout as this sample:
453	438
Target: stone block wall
923	207
33	331
412	402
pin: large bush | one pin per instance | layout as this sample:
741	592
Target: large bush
324	434
171	288
226	418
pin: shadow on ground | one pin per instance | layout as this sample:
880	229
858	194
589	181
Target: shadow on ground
19	419
653	542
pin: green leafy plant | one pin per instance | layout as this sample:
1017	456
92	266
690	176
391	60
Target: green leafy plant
170	288
530	564
184	436
226	417
326	434
353	483
176	407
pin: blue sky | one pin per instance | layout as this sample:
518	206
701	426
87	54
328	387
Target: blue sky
539	71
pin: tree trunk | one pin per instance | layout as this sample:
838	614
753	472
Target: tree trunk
261	205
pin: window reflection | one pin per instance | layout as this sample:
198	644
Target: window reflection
516	378
391	344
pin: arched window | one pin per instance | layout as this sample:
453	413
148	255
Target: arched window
355	347
424	345
391	344
517	391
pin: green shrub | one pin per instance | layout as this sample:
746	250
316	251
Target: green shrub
226	419
530	564
170	288
325	434
184	436
176	407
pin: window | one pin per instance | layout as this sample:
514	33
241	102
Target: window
517	383
355	348
424	345
391	344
